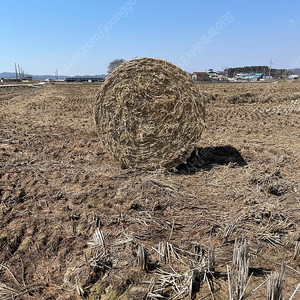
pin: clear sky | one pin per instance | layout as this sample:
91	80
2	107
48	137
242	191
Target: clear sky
82	37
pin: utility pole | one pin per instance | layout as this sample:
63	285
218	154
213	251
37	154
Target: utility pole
19	72
271	63
16	72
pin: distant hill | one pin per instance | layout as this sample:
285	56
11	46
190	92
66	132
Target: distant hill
7	75
11	75
296	71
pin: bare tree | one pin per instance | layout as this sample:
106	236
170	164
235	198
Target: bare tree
114	64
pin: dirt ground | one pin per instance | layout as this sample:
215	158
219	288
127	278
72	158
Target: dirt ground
75	225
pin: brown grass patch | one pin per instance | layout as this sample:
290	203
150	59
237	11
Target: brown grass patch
57	188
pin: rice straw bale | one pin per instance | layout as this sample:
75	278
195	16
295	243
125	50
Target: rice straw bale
149	114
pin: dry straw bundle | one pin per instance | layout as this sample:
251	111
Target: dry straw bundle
149	114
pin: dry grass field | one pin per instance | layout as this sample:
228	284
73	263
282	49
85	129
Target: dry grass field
74	224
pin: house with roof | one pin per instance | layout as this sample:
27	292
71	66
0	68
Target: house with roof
241	75
212	74
200	76
253	76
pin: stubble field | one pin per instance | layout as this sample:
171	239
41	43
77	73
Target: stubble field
75	225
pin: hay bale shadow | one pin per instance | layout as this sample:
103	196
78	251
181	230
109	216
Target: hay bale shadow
259	272
206	158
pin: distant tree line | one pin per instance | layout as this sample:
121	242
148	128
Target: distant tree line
275	73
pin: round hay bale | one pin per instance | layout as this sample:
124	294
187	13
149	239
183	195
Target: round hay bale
149	114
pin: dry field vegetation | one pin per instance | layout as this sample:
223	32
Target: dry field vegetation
75	225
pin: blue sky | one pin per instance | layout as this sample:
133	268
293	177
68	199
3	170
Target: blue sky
82	37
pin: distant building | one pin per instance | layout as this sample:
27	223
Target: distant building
200	76
240	76
84	79
27	78
249	77
253	77
212	74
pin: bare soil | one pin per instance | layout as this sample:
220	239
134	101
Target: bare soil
57	188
